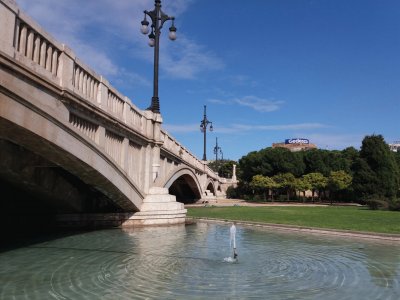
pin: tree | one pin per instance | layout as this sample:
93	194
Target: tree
271	185
350	155
285	181
284	161
317	181
302	185
337	181
252	164
364	180
316	161
396	156
223	167
376	171
269	162
263	184
258	183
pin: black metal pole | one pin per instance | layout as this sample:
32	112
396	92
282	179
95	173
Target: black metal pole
158	17
155	101
216	150
205	132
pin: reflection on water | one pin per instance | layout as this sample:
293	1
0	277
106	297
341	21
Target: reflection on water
181	262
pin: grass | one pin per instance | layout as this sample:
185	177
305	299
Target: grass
332	217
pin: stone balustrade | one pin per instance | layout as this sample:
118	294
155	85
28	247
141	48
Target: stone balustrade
34	48
177	149
85	82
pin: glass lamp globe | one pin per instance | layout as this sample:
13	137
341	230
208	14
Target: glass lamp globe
145	29
172	35
151	42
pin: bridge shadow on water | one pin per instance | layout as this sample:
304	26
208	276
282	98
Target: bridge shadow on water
26	219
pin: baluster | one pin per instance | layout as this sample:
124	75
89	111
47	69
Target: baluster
29	48
96	90
80	86
49	57
36	49
76	77
89	80
54	63
87	91
17	33
84	84
43	48
22	40
112	103
91	88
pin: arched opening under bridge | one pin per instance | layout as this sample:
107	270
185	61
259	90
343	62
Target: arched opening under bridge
185	189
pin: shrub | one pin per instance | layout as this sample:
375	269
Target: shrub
375	202
394	204
231	193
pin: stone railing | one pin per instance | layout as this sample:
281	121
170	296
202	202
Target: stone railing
33	45
25	41
173	146
85	82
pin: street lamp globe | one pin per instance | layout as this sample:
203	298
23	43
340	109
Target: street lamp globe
172	32
145	26
152	40
172	35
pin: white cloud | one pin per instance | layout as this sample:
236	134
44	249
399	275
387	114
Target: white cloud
92	29
187	128
300	126
242	80
75	23
185	59
254	102
259	104
237	128
219	101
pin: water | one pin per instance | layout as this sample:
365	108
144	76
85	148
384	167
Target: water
181	262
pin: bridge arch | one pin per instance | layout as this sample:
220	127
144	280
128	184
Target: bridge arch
58	143
210	186
185	185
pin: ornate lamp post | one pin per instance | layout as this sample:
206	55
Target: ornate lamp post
216	150
158	18
203	128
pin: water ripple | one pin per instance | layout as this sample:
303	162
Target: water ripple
188	263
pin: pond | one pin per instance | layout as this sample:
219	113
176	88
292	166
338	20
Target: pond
187	262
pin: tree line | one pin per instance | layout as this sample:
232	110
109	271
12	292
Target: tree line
370	175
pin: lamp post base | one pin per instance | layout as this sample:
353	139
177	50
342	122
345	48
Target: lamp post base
155	105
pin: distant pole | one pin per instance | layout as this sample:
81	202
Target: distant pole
216	148
203	128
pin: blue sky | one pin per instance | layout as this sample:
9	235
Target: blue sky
268	70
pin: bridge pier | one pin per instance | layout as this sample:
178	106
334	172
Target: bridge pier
158	208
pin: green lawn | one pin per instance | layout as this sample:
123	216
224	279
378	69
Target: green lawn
334	217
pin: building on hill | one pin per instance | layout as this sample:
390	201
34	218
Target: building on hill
296	144
395	146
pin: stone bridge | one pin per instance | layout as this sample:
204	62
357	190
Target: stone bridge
73	147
